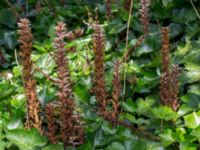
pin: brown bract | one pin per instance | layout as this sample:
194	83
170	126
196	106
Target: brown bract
25	39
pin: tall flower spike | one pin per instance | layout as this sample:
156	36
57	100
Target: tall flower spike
25	39
51	124
144	13
169	84
116	90
165	76
99	82
68	124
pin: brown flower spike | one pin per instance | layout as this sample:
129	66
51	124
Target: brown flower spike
99	82
69	123
52	127
25	39
169	84
144	13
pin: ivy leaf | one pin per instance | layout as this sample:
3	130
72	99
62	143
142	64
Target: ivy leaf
6	91
2	145
196	133
129	106
54	147
182	50
193	72
26	140
192	120
165	113
115	146
144	107
167	137
187	146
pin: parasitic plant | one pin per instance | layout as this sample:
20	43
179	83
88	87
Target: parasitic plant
99	81
169	84
25	39
51	123
70	127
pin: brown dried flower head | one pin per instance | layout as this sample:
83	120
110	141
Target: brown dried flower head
99	82
68	123
25	39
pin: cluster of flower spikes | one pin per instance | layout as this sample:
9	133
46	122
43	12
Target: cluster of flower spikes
169	83
33	109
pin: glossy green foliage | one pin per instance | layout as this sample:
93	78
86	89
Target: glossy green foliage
140	102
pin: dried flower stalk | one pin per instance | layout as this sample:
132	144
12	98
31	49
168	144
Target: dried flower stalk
144	13
68	123
169	84
99	82
25	39
52	127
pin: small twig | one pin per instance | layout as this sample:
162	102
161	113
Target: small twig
195	9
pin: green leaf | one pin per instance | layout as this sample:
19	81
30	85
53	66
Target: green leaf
2	145
191	99
182	50
129	106
26	139
192	120
54	147
165	113
193	72
196	133
6	91
183	109
167	137
144	106
82	92
115	146
14	123
46	63
187	146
